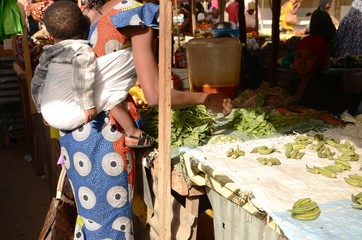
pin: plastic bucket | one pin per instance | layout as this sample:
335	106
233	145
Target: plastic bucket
214	65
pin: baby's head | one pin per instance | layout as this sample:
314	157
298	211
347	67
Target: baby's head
95	4
311	55
64	20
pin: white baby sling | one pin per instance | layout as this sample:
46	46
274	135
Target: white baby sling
114	77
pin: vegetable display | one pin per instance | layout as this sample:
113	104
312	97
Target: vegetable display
354	180
347	61
252	121
190	127
357	201
305	209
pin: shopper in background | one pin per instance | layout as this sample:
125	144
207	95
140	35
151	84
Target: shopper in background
349	32
233	11
186	26
250	17
99	165
214	4
214	16
349	38
321	23
288	15
206	5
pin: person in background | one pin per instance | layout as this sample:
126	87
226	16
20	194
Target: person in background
88	90
233	11
186	26
288	15
99	166
349	32
214	4
213	16
321	23
311	88
206	5
308	87
250	17
349	41
200	12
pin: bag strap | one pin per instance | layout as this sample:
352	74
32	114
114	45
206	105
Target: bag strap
60	184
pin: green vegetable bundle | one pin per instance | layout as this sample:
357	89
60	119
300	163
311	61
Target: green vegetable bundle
252	121
191	126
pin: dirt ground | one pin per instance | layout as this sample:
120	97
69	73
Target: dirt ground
25	196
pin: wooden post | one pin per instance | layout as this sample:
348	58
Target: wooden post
27	61
25	92
275	42
222	10
257	16
164	132
242	38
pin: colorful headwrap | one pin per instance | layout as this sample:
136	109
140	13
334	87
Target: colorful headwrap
251	6
317	45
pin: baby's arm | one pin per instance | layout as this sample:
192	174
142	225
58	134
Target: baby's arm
37	83
84	65
45	122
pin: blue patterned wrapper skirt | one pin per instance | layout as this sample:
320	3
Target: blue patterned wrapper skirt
101	172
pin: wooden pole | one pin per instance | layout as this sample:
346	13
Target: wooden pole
164	130
275	42
242	38
257	16
27	61
192	4
222	10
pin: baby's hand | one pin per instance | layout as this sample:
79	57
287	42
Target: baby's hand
45	122
89	114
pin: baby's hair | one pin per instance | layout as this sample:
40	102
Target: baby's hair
95	4
65	20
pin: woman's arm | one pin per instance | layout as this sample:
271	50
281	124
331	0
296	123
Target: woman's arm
296	7
147	73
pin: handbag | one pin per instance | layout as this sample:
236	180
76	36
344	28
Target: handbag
61	217
291	19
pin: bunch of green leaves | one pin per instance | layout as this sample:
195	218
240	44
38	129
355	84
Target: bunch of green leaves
190	126
280	120
252	121
150	120
297	122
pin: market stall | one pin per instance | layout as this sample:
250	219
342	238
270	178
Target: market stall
258	205
265	193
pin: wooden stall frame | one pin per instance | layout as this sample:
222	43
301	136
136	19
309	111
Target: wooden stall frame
25	78
164	132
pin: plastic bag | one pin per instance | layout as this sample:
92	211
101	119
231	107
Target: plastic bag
10	19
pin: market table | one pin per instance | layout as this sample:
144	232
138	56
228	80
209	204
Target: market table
250	201
184	216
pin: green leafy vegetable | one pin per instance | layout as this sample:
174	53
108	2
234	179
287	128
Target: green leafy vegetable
252	121
191	126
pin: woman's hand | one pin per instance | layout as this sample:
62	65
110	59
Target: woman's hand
218	103
147	73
